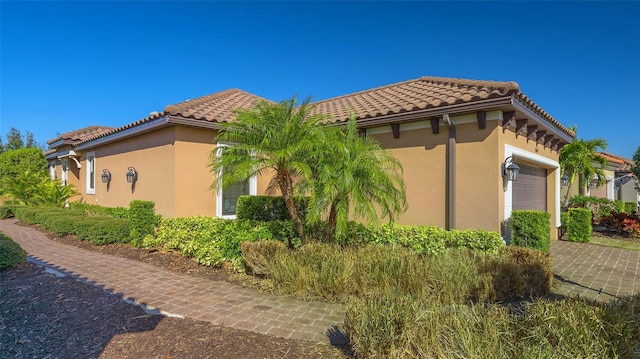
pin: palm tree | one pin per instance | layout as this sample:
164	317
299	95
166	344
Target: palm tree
579	159
353	173
269	139
35	188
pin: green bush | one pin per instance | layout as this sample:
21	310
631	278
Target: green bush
578	224
93	209
18	161
618	206
422	239
5	212
268	208
402	326
333	272
143	220
110	230
630	207
11	254
531	229
599	207
209	240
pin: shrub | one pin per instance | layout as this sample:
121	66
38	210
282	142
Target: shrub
599	207
332	272
110	230
18	161
93	209
209	240
578	225
531	229
402	326
622	223
5	212
260	254
618	206
143	220
11	254
268	208
630	207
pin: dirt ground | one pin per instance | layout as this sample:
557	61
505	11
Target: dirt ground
45	316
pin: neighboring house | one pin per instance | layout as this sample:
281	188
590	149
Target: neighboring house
452	137
620	180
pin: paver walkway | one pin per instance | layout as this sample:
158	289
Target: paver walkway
181	295
593	271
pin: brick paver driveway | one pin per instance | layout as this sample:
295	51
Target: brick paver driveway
593	271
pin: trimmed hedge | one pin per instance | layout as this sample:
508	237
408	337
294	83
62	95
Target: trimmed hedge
143	220
63	221
5	212
268	208
94	209
630	207
531	229
578	225
11	254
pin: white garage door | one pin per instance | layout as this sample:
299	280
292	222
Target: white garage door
530	190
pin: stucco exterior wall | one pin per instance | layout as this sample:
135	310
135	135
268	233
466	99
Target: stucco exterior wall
423	157
193	178
152	155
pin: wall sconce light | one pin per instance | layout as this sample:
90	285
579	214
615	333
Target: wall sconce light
132	175
593	183
106	176
510	169
565	180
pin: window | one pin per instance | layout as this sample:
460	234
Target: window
226	199
91	172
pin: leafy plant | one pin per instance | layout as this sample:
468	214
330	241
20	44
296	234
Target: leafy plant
531	229
580	159
36	189
622	223
578	224
143	220
11	254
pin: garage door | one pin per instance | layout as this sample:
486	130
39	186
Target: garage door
530	190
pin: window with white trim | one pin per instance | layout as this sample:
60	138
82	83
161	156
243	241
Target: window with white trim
91	172
227	198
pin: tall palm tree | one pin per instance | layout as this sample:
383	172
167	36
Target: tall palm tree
580	160
270	138
354	174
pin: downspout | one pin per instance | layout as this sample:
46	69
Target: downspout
451	173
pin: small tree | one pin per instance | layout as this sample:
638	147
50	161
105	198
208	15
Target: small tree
636	168
270	138
580	160
354	174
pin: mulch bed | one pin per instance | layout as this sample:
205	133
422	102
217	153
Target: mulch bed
45	316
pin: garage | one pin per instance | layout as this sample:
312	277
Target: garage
530	190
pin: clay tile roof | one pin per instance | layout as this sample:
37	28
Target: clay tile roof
217	107
421	94
625	163
418	94
82	134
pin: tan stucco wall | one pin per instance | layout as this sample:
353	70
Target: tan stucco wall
193	178
152	155
423	157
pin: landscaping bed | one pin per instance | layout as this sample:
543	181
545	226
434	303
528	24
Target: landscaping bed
57	316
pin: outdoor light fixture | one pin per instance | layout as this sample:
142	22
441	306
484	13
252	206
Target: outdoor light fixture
565	180
132	175
510	169
106	176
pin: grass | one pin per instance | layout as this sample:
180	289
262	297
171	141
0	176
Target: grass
616	243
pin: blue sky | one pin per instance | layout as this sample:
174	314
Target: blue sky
67	65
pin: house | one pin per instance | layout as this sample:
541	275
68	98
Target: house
454	138
620	183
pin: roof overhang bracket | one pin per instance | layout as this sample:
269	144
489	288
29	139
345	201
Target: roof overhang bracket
532	132
395	127
507	117
521	126
482	119
435	125
540	137
72	155
547	140
554	144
